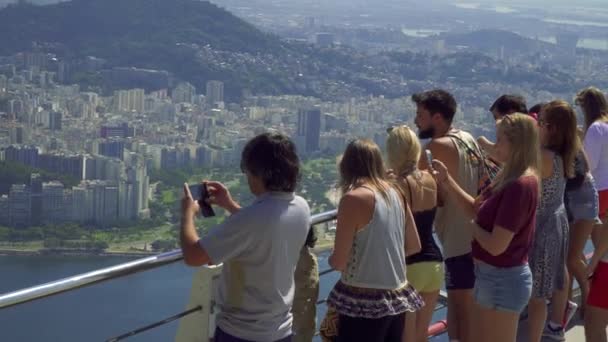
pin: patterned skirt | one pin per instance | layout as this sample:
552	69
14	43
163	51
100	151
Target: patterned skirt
366	303
373	303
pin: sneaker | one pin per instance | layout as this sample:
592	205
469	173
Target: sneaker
555	335
570	312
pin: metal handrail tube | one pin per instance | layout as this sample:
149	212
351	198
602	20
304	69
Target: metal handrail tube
112	272
155	325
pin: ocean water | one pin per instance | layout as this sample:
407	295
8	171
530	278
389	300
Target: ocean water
105	310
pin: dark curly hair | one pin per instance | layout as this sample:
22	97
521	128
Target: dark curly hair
437	101
273	158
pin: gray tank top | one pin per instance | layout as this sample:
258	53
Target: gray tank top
377	258
452	226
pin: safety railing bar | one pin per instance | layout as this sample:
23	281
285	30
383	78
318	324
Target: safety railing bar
155	325
322	273
86	279
74	282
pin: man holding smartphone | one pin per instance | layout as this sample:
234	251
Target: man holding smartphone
258	244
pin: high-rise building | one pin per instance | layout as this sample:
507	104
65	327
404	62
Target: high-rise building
112	148
183	92
27	155
215	92
73	165
55	119
18	135
36	198
309	128
82	208
3	84
131	100
117	131
19	206
53	202
4	210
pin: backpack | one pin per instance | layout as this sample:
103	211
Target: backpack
488	168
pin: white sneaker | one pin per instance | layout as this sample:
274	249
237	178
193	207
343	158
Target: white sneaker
555	335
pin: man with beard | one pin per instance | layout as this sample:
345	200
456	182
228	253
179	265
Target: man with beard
434	114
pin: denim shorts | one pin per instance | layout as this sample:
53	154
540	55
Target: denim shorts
583	203
503	289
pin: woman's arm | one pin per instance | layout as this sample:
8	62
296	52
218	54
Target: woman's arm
494	242
349	220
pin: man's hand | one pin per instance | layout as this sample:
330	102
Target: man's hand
220	196
189	206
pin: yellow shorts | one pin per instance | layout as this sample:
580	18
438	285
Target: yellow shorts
425	276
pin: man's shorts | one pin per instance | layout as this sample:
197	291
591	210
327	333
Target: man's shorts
460	272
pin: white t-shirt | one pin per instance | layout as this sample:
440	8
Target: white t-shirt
596	147
259	246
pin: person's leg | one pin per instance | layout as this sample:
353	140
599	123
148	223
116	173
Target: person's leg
596	319
577	267
396	328
424	316
460	280
460	306
596	322
559	301
306	278
494	325
537	316
409	332
353	329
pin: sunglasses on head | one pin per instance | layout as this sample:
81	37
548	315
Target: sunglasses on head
390	129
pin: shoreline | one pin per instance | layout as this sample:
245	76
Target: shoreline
322	246
43	252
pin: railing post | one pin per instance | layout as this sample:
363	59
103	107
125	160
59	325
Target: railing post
200	326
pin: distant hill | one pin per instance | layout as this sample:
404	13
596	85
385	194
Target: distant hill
107	27
142	33
491	40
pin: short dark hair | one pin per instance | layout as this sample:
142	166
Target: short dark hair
272	157
509	104
537	108
437	101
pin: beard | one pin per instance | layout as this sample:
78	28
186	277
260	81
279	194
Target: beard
427	133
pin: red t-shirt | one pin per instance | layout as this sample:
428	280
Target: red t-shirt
512	208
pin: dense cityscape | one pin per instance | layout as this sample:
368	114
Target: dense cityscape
97	131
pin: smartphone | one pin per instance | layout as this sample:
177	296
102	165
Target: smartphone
200	194
429	158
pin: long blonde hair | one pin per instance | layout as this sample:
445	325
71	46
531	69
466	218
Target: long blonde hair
522	133
402	149
362	163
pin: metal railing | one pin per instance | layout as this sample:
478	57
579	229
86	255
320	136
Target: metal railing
125	269
105	274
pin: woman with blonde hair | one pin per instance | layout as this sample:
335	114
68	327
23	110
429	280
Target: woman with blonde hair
504	217
375	232
425	268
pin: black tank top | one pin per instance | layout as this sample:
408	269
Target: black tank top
424	224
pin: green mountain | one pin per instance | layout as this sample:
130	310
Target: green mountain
156	34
